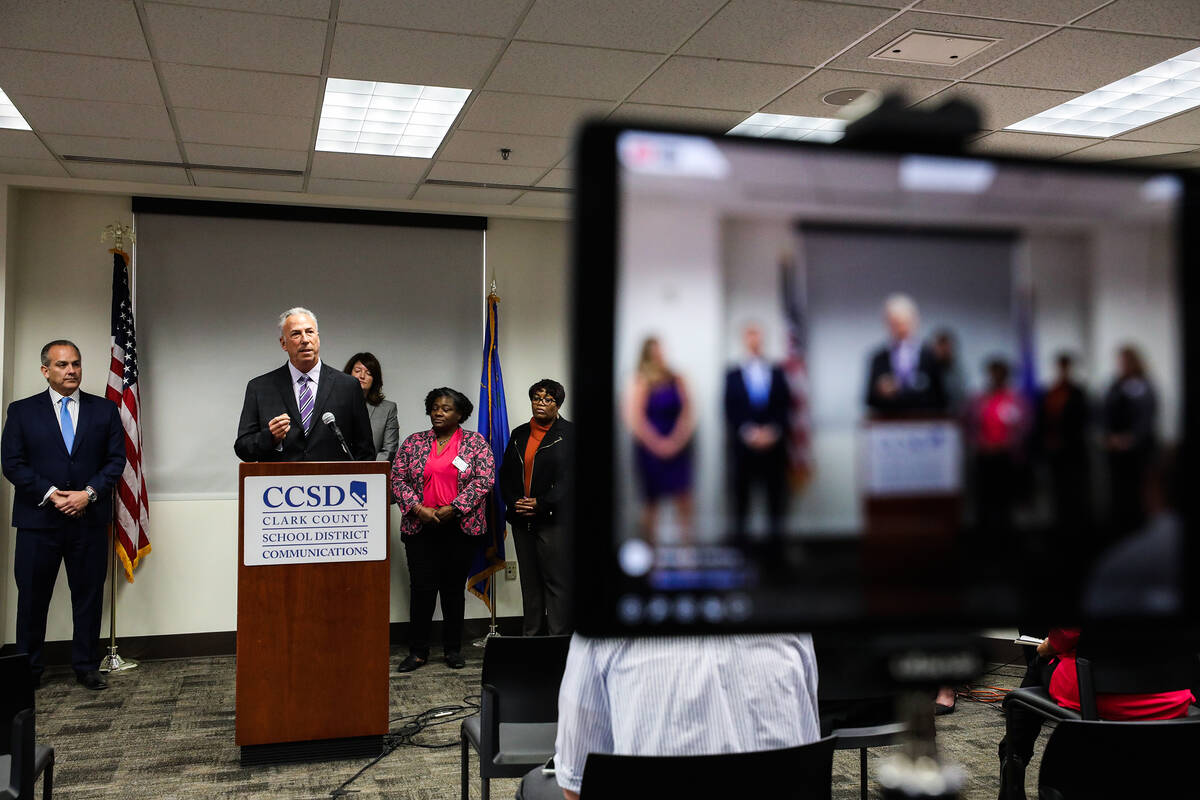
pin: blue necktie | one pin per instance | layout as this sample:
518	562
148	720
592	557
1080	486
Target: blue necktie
68	429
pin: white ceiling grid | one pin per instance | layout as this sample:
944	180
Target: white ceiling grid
238	83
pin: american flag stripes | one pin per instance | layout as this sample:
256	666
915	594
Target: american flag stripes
131	516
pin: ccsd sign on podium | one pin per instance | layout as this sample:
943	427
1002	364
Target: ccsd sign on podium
315	519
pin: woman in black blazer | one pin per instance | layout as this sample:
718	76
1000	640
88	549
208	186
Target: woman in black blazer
385	427
535	480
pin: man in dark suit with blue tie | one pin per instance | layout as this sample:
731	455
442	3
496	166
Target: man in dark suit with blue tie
63	451
283	410
757	407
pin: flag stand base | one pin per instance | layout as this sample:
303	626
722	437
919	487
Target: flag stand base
114	663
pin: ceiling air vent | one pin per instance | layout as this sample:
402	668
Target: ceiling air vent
930	47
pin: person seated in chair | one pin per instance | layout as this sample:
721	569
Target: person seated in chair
699	695
1055	670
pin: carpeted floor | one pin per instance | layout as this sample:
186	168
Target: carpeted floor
165	730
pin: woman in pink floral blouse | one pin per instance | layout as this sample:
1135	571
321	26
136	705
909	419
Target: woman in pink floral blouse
441	479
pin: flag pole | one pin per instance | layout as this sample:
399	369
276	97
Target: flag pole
113	662
118	233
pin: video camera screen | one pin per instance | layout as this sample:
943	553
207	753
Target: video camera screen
823	387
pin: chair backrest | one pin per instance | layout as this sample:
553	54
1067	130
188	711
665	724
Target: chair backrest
525	672
1098	759
799	772
17	695
20	776
1116	667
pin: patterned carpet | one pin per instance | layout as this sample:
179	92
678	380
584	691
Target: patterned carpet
165	730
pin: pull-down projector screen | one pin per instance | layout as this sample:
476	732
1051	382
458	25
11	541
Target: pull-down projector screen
209	290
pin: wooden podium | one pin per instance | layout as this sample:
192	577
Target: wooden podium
312	630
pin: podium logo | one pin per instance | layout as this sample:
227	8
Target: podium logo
358	492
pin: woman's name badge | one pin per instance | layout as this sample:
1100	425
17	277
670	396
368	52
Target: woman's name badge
459	464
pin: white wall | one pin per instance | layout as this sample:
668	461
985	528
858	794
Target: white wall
56	277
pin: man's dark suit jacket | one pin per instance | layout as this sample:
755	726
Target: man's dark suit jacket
928	393
35	458
270	395
740	411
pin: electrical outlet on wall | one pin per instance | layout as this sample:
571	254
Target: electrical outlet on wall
510	570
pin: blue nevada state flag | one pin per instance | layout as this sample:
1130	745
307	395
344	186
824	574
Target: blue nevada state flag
493	424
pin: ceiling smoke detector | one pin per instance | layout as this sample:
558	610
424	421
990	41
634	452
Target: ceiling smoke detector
930	47
844	97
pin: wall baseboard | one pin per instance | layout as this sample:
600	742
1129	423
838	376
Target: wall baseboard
224	643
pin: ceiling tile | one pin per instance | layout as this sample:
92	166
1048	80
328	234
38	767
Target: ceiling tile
126	172
484	148
882	3
805	99
260	157
369	168
1029	145
1011	35
1000	106
240	90
232	180
713	83
337	186
115	80
656	26
101	147
1180	129
1058	12
647	113
45	167
570	71
1113	150
22	144
544	200
1081	60
185	35
559	179
1188	160
88	118
401	56
313	9
95	27
528	113
459	194
783	31
1164	17
244	130
511	175
479	17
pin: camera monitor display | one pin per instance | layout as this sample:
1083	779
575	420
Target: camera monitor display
819	386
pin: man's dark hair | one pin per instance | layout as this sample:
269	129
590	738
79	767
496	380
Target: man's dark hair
462	405
58	343
375	393
550	387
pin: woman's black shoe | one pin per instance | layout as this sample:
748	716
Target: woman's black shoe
410	663
455	661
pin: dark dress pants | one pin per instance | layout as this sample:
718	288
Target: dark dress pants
438	559
545	591
39	553
766	469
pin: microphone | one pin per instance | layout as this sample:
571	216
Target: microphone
329	419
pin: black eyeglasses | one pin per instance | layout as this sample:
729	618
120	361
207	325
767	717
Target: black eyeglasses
542	401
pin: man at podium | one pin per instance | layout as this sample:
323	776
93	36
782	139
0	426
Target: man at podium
286	414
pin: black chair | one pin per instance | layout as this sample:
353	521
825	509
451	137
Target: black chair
862	738
20	769
799	772
1096	760
518	714
17	681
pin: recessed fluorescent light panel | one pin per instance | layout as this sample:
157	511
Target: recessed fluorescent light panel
783	126
9	116
387	119
1143	97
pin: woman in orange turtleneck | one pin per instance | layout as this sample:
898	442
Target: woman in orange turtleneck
535	481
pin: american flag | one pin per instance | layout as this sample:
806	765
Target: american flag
131	511
795	368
